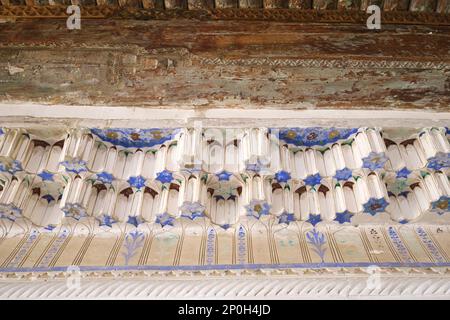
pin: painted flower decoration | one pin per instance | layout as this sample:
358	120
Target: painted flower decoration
257	208
105	177
165	219
343	217
403	221
75	165
313	136
441	206
137	182
74	210
257	166
313	180
10	212
225	226
192	210
343	174
286	218
373	206
10	166
136	138
439	161
374	161
105	220
224	175
164	176
282	176
403	173
135	220
314	219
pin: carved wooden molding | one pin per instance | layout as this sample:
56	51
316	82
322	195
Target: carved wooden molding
249	14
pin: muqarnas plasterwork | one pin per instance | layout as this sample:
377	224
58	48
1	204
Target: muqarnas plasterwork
317	175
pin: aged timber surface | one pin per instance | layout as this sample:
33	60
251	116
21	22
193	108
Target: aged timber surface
187	63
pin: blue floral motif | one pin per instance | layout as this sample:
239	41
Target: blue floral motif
2	132
75	165
225	226
46	176
317	240
439	161
164	176
10	212
10	166
135	220
373	206
374	161
403	173
441	206
343	217
50	227
403	221
343	174
314	136
74	210
282	176
137	182
314	219
133	241
286	218
257	208
165	219
224	175
136	138
105	177
105	220
192	210
313	180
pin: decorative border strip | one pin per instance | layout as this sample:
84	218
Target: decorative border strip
229	267
249	14
327	63
275	288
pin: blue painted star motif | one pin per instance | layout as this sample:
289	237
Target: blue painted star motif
373	206
106	221
314	219
343	174
282	176
224	175
343	217
134	220
286	218
46	176
403	173
164	176
137	182
313	180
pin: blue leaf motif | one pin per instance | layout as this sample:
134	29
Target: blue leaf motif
133	241
317	240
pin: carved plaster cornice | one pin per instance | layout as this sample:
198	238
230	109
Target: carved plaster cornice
264	286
